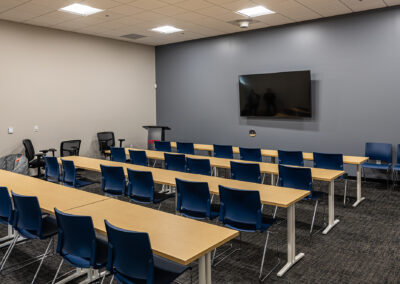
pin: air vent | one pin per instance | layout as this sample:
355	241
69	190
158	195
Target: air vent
133	36
243	23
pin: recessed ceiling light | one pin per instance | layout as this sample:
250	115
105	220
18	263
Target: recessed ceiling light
166	29
255	11
80	9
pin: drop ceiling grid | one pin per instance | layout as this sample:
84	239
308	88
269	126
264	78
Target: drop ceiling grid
198	18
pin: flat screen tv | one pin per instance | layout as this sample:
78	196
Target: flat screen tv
276	95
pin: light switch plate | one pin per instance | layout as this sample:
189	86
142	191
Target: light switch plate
10	130
36	128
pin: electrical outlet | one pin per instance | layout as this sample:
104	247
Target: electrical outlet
10	130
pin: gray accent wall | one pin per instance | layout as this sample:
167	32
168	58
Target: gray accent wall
355	68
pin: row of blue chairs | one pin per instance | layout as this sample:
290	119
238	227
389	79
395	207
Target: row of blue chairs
127	255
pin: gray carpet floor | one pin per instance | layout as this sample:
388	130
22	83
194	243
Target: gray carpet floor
363	248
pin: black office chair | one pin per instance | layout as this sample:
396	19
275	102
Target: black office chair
107	140
70	148
30	155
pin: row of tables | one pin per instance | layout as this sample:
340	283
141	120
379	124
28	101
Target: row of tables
273	154
171	235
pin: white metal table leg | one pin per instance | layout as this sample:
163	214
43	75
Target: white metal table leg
331	204
359	198
292	258
208	268
202	270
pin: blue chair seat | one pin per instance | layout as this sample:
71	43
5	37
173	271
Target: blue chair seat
214	213
101	256
158	198
396	167
165	272
377	166
49	228
265	224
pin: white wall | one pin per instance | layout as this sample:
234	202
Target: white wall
72	86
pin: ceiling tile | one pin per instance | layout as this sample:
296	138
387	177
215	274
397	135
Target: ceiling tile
170	10
125	10
193	4
392	2
357	5
148	4
326	8
100	4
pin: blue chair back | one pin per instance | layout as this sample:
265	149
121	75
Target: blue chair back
379	152
223	151
138	158
299	178
118	154
240	209
198	166
129	255
76	237
6	210
328	161
291	158
246	172
185	148
163	146
113	180
27	215
398	154
69	172
140	186
250	154
193	199
52	169
175	162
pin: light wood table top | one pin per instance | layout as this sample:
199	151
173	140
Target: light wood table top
176	238
354	160
270	195
268	168
50	195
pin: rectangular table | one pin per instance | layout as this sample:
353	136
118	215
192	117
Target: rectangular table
179	239
273	169
351	160
270	195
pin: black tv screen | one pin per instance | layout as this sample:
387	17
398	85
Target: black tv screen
280	95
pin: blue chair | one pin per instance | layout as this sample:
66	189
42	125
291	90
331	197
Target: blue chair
223	151
118	154
139	158
6	212
250	154
163	146
29	222
299	178
113	181
378	152
241	210
141	188
246	172
78	244
198	166
51	169
175	162
291	158
6	209
185	148
194	200
331	162
131	259
396	167
69	176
